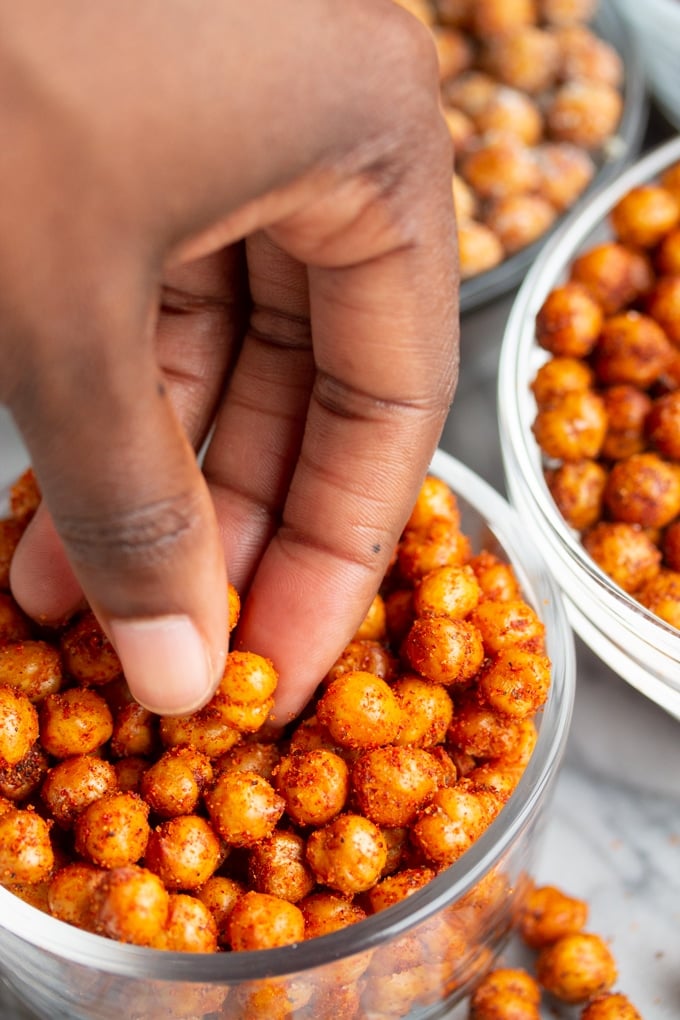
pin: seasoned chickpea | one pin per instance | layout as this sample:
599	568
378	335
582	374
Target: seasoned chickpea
254	756
627	408
444	651
670	179
15	626
204	731
436	545
18	726
670	546
525	57
135	732
435	501
663	304
610	1006
661	595
391	784
33	667
576	967
632	348
73	784
129	772
10	533
18	782
26	853
243	807
478	731
359	710
573	427
577	487
464	198
456	817
497	16
496	578
478	248
233	606
558	377
643	489
24	496
499	166
566	171
219	894
394	888
583	112
506	992
519	220
348	854
309	735
516	682
511	112
400	614
498	778
244	697
427	710
75	721
88	655
184	852
667	255
548	914
470	91
372	627
173	784
113	831
644	215
130	904
447	591
624	552
615	275
326	912
454	50
314	785
586	56
504	624
277	866
569	321
70	893
366	655
189	927
261	921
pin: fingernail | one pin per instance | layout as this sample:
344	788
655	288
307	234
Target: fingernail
165	662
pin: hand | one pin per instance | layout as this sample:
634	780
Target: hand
230	228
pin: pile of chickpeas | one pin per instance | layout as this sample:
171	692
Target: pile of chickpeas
608	396
533	98
207	833
571	965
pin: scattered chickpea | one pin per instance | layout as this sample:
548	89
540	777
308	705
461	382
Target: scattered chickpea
548	914
576	967
610	1006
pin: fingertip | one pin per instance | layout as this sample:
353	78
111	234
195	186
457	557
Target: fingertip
167	662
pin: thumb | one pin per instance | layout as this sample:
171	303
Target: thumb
127	519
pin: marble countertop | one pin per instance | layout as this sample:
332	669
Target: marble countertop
613	830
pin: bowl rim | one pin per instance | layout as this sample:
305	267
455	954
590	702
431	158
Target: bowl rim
646	634
65	942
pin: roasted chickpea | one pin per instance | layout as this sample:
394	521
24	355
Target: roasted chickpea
632	348
88	655
135	732
10	533
627	408
437	545
506	992
615	275
444	651
348	854
309	735
130	904
498	778
670	179
573	427
18	782
427	711
569	321
261	921
233	606
359	710
478	248
548	914
33	667
243	807
455	817
499	166
113	831
661	595
173	784
277	866
511	112
578	489
495	577
667	255
184	852
391	784
400	613
366	655
624	552
394	888
129	772
219	894
18	726
26	853
254	756
15	626
525	57
244	697
584	56
447	591
506	624
566	170
610	1006
314	785
643	489
464	198
435	501
326	912
73	784
70	893
24	496
75	721
189	927
498	16
670	546
583	112
372	627
454	51
576	967
478	731
644	215
516	682
558	377
203	730
663	305
519	220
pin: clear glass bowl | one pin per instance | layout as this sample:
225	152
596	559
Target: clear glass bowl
635	643
63	973
621	149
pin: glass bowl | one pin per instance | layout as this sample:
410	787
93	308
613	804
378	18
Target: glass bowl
63	973
620	150
635	643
